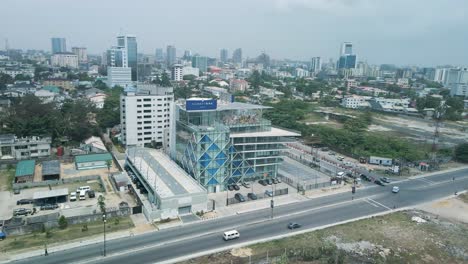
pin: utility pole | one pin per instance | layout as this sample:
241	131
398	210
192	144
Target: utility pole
104	221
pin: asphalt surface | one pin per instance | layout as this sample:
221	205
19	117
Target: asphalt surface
166	245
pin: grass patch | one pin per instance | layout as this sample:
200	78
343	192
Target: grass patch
6	179
463	197
56	235
95	186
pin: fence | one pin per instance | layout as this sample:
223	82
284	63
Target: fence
19	186
259	196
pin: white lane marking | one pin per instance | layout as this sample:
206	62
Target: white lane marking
384	206
425	180
369	202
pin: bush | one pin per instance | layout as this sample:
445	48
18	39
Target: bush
62	222
84	228
48	234
116	221
461	152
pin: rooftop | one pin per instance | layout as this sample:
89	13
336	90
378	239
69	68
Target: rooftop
274	132
50	193
51	167
163	175
93	157
25	168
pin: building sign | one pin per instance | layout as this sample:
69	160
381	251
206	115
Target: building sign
195	105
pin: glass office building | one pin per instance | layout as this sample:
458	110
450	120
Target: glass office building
220	143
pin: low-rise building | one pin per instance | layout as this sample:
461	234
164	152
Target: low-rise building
355	102
25	171
50	170
170	190
59	82
238	85
390	105
64	59
98	100
12	147
93	161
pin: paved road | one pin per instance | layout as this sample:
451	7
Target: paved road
189	239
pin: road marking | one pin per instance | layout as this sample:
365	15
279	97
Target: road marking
384	206
425	180
369	202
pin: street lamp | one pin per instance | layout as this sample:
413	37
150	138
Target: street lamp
104	220
227	195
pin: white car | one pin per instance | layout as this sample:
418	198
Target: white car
72	196
83	188
395	189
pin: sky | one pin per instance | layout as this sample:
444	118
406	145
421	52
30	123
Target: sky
402	32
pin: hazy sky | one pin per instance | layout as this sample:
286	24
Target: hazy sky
405	32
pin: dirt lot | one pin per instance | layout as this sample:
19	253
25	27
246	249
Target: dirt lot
392	238
6	178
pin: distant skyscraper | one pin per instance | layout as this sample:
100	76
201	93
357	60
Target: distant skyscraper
223	56
117	57
170	55
347	59
7	45
346	48
159	56
81	53
200	62
316	64
129	43
176	72
58	45
237	56
187	54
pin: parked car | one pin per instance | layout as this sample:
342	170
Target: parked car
263	182
49	206
365	177
230	188
72	196
24	201
236	187
269	193
91	194
324	149
275	181
16	191
340	158
293	225
278	180
83	188
239	197
385	179
21	211
252	196
395	189
246	184
269	181
331	153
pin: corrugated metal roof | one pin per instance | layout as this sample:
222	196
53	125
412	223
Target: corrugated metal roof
51	167
25	168
93	157
50	193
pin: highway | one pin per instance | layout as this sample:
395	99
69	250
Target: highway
168	244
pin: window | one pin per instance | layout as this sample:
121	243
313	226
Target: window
147	100
138	100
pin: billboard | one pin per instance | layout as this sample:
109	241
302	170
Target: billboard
196	105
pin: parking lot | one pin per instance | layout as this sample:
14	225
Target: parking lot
301	173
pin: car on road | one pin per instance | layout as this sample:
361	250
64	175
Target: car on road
239	197
269	193
331	153
263	182
379	182
385	179
228	235
49	207
21	211
395	189
236	187
24	201
340	158
365	177
230	188
91	194
252	196
293	225
340	174
246	184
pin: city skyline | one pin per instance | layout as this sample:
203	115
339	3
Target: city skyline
395	33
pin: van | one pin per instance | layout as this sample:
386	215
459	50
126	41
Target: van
83	195
83	188
340	174
228	235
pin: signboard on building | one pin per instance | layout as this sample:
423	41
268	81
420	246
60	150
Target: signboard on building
200	104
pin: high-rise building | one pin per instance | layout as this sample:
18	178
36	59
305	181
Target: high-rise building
129	43
346	48
176	72
171	55
81	53
117	57
58	45
237	56
223	56
200	62
159	55
187	54
145	116
316	64
220	143
64	59
119	76
457	81
347	59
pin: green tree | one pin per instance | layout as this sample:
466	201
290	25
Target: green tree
102	204
5	79
62	222
461	153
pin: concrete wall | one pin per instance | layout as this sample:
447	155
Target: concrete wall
91	165
19	186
